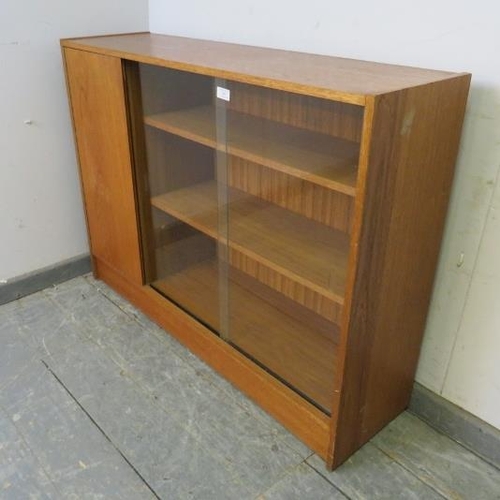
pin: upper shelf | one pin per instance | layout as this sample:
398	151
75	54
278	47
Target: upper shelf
302	249
315	157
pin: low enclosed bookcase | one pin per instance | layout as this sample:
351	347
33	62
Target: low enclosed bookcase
279	213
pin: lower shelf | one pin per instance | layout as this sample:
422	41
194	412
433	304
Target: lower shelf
303	354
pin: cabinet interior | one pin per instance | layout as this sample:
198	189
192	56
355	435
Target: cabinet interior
246	210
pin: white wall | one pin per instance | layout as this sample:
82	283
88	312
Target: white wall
461	353
41	219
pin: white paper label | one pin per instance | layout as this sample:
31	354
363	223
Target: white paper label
224	94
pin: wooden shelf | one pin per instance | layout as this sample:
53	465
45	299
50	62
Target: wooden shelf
306	251
318	158
300	353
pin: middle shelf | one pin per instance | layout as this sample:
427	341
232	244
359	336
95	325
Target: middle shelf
299	248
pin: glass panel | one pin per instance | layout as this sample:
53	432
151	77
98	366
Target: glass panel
175	161
291	172
246	199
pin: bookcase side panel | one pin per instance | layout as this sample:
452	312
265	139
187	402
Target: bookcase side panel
414	146
98	105
429	129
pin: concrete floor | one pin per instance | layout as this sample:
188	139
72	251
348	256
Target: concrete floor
97	402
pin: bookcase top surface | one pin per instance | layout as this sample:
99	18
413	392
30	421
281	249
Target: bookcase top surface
337	78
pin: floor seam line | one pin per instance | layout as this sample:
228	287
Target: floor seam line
435	428
403	466
49	369
142	387
336	486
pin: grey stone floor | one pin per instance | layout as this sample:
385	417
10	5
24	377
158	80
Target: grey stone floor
97	402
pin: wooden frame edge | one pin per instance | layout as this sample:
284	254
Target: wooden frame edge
334	459
77	155
63	41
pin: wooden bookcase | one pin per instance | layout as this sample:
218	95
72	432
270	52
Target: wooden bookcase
279	213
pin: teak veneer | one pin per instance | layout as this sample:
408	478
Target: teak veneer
279	213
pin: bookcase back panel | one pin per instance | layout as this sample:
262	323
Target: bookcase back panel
311	113
166	89
300	294
315	202
178	162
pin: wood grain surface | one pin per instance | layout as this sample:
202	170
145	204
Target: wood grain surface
408	173
97	98
336	78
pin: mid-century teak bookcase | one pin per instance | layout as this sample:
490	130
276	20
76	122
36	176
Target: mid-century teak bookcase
279	213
